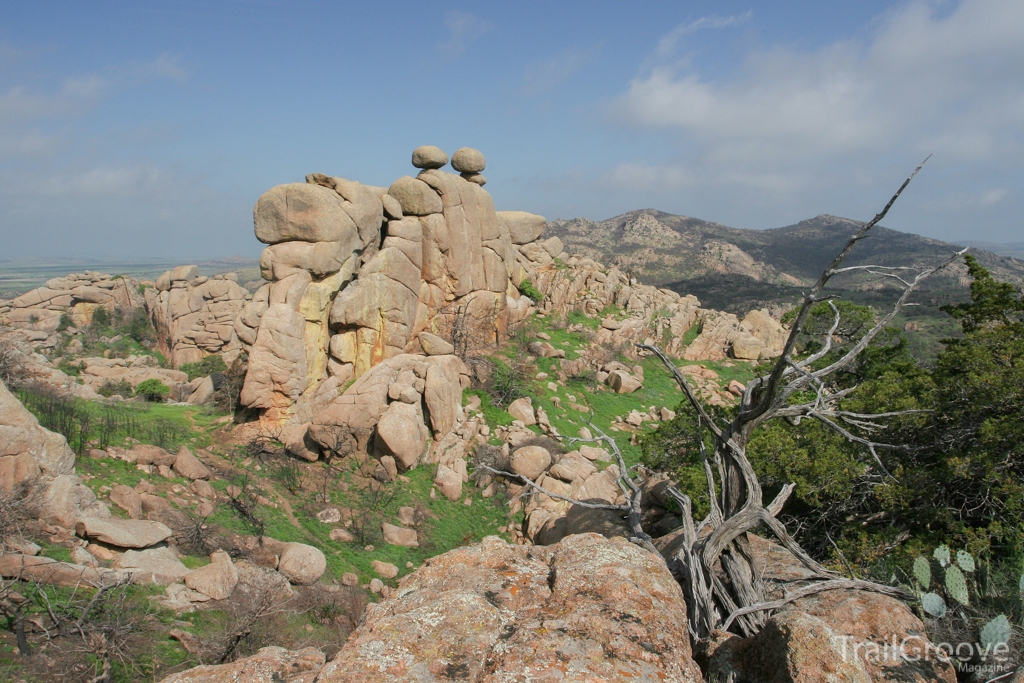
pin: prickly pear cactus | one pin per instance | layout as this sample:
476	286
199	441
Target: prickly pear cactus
996	632
942	555
1021	583
956	585
933	604
965	560
923	572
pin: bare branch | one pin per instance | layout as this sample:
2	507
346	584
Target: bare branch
820	587
684	386
769	391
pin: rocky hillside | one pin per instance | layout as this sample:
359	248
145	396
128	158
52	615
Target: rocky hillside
660	248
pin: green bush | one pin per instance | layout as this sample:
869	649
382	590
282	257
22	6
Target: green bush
207	366
139	327
64	322
153	390
100	319
508	382
526	288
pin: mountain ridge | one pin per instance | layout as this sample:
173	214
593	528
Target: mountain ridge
661	248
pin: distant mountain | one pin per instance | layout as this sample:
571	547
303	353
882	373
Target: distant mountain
660	248
1014	249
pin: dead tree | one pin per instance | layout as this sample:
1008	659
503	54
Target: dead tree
718	545
715	565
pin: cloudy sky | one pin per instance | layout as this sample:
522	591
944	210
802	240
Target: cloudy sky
150	128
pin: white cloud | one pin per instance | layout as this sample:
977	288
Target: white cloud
547	75
993	196
668	43
924	82
463	29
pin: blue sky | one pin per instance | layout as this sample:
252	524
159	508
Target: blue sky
151	128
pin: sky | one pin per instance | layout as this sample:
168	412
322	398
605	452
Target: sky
149	129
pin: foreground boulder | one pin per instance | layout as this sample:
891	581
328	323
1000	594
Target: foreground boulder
588	608
269	665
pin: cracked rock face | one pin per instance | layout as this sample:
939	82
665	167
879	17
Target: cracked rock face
588	608
194	316
355	275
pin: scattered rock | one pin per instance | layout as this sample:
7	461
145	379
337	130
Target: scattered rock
349	579
127	498
329	515
153	565
522	409
203	489
396	535
342	535
217	579
189	466
449	482
385	569
302	564
407	515
622	382
530	461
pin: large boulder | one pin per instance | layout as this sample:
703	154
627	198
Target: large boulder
26	449
530	461
522	227
123	533
305	212
598	608
217	579
189	466
31	456
301	564
153	565
402	434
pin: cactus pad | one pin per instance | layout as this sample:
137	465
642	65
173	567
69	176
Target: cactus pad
965	560
923	572
1021	583
956	585
942	555
933	604
996	632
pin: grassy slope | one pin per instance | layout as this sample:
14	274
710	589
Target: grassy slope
291	515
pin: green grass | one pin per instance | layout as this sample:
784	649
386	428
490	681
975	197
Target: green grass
96	423
659	389
56	552
449	524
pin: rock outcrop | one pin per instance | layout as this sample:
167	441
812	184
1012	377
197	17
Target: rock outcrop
588	608
356	273
37	457
194	315
395	409
77	294
269	665
654	315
